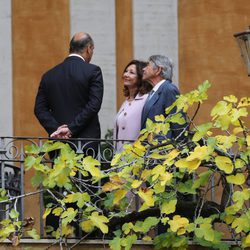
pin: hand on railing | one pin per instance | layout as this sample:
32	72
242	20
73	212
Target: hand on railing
62	132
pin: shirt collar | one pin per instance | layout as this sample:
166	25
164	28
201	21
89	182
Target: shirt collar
73	54
157	86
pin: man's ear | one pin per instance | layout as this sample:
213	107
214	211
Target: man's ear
89	49
158	71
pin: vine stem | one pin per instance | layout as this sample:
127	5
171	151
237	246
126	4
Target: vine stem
22	196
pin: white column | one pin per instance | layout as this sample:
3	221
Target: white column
97	17
156	30
6	114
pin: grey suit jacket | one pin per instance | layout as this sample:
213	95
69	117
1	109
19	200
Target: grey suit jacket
161	99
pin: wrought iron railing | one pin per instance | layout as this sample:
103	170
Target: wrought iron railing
12	172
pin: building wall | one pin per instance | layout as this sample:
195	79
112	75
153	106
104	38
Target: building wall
208	50
98	19
156	30
40	31
6	126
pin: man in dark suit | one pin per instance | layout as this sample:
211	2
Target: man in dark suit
69	99
70	94
159	73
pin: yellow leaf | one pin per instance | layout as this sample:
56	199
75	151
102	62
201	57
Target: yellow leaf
147	238
57	211
237	113
115	183
223	122
164	220
248	140
237	179
116	179
178	224
90	164
146	173
244	102
156	155
230	98
224	163
87	226
190	165
168	207
165	177
47	212
136	183
225	142
99	221
246	241
239	163
138	145
115	159
237	130
147	196
119	195
229	219
199	153
109	186
156	171
143	207
158	188
170	157
221	108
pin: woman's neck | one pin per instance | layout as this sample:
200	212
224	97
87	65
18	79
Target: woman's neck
132	94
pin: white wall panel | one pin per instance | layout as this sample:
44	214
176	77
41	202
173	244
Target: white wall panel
156	30
6	121
97	17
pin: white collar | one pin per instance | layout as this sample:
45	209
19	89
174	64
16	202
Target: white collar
157	86
73	54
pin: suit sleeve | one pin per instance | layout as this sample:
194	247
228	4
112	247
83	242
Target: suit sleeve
176	128
42	110
93	105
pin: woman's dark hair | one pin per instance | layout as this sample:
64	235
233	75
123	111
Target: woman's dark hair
143	87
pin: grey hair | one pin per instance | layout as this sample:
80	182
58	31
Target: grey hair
165	63
77	46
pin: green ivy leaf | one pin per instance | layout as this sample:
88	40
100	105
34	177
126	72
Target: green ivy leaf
202	130
32	149
115	243
13	214
33	233
126	227
68	216
128	241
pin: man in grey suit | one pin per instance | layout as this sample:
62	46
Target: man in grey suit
159	73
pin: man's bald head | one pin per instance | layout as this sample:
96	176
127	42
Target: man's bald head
79	42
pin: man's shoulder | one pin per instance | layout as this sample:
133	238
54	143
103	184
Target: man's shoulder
52	70
169	86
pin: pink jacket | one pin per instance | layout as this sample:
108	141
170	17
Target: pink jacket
128	120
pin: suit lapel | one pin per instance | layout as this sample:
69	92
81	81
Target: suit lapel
149	104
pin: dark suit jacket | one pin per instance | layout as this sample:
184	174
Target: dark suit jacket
71	93
161	99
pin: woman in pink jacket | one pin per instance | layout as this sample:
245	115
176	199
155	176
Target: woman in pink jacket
128	118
